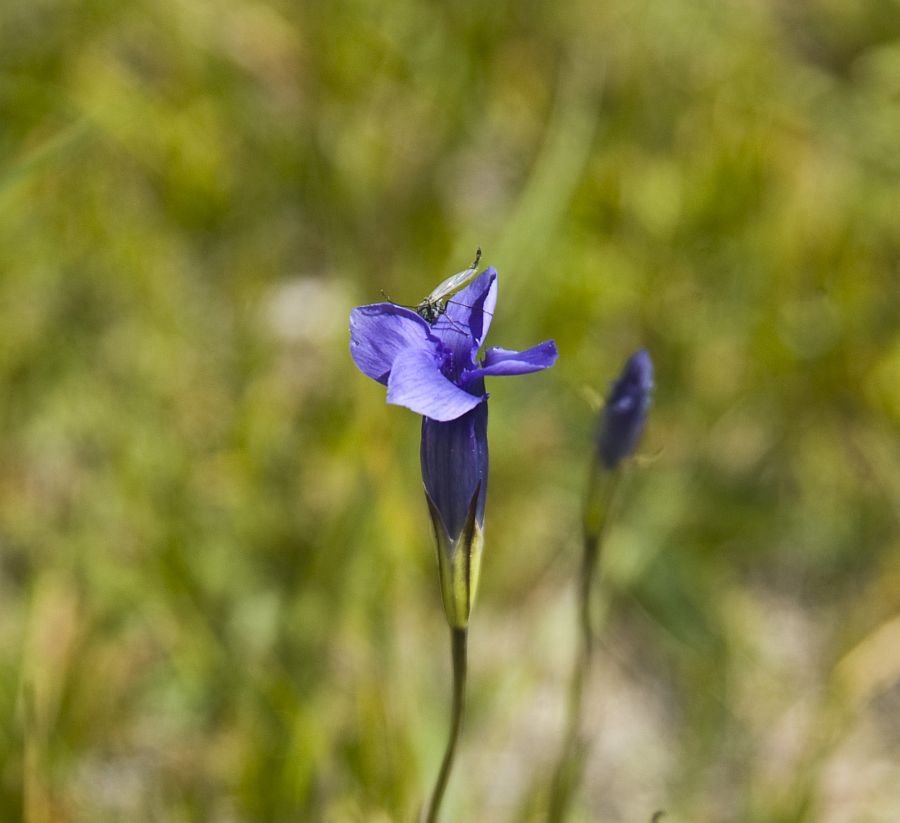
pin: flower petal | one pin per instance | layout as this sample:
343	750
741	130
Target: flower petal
505	362
464	325
381	331
480	296
416	381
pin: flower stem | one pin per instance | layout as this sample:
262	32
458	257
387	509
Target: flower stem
601	489
458	638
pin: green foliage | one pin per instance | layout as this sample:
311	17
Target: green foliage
219	595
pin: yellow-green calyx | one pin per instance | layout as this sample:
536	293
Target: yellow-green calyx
459	562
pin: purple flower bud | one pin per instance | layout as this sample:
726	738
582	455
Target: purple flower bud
432	368
625	412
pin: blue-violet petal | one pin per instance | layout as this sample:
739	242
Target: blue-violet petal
504	362
416	381
381	331
466	321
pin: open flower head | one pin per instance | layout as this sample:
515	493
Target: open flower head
434	370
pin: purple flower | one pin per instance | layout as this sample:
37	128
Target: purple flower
433	370
626	410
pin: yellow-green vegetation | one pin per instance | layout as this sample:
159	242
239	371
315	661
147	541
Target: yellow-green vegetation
218	591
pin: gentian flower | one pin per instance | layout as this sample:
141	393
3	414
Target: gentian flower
626	410
434	371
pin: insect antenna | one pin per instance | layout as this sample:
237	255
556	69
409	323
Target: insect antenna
393	302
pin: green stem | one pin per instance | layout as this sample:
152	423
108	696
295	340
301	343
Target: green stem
601	489
458	640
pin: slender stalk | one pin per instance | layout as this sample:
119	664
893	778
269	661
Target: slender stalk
601	489
458	638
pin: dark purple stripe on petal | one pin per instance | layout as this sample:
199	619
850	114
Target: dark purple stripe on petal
454	461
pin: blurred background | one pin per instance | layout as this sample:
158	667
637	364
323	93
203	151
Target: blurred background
218	592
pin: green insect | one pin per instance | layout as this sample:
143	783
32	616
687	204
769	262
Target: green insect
433	306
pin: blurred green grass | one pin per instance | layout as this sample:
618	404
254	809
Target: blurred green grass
219	600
